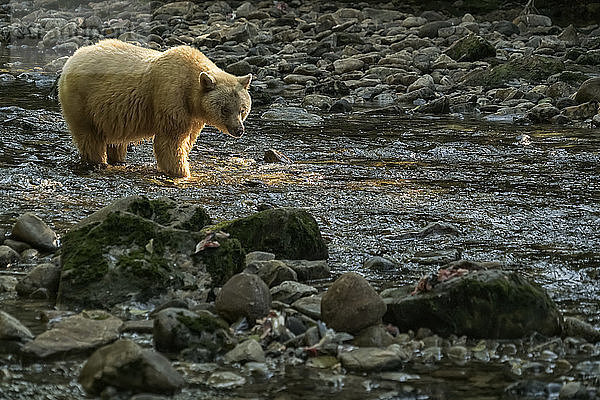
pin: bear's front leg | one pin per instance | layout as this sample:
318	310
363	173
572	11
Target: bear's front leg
116	153
171	152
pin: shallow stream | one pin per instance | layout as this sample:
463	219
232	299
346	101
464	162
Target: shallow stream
527	196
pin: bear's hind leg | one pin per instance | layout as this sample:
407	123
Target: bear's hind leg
116	153
172	154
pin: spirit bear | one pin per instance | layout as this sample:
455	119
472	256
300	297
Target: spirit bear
113	93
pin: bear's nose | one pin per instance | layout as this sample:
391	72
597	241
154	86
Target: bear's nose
238	132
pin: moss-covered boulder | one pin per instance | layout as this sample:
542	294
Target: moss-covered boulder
471	48
481	304
289	233
137	249
533	69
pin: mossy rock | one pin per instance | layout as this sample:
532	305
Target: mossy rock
481	304
471	48
289	233
224	261
122	257
162	210
533	69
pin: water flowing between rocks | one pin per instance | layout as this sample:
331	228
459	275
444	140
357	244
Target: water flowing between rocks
526	196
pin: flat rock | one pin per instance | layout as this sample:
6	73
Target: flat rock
367	359
125	365
290	291
74	335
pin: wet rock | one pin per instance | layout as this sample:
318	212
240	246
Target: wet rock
292	115
426	81
381	264
275	156
575	327
244	295
8	256
350	304
274	272
287	232
471	48
581	111
486	304
30	229
340	106
309	270
290	291
176	329
574	391
431	29
310	306
533	21
181	8
77	334
138	248
249	350
373	336
438	228
259	256
12	329
295	325
125	365
533	69
317	101
588	91
239	68
542	112
17	245
436	106
40	282
347	65
225	380
507	28
368	359
7	283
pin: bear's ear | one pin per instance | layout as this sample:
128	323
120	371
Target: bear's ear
207	81
245	81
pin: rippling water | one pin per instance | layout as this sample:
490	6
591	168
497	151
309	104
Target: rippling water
523	195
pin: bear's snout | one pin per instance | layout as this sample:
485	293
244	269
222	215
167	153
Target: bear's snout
237	131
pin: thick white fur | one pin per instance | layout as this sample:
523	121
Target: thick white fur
113	93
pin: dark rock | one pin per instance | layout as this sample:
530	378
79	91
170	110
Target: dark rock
485	304
533	69
581	111
17	245
295	325
350	304
588	91
290	291
12	329
77	334
564	102
590	57
30	229
340	106
286	232
125	365
574	327
274	272
40	282
275	156
239	68
307	270
436	106
507	28
471	48
381	264
8	256
430	29
542	112
244	295
176	329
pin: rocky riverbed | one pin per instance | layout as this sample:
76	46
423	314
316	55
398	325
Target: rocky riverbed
348	86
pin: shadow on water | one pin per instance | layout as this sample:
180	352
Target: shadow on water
526	196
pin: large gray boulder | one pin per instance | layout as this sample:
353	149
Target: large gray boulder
481	304
244	295
125	365
351	304
30	229
12	329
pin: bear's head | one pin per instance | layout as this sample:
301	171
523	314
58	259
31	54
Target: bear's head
225	101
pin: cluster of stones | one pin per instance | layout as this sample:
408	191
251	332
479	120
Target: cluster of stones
266	312
330	57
